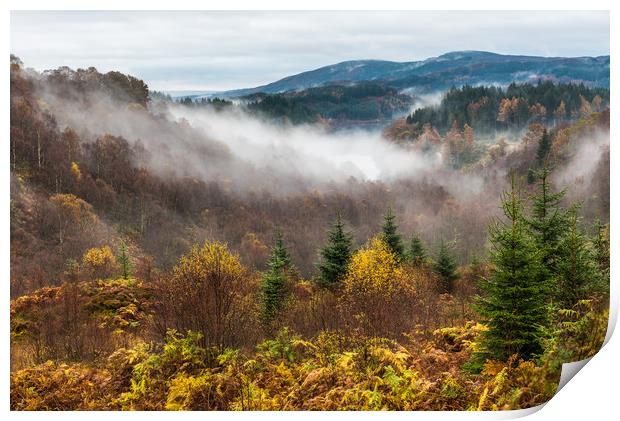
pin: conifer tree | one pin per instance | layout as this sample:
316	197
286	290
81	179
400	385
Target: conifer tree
274	280
475	261
336	255
390	235
547	224
531	176
544	146
513	302
445	267
124	261
417	253
280	251
601	247
577	274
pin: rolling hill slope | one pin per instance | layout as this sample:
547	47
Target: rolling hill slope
451	69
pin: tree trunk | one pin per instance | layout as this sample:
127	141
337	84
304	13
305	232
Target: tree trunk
38	149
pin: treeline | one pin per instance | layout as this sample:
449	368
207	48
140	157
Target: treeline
489	108
217	104
76	84
362	101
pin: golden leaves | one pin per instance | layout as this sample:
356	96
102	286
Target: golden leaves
98	257
372	269
209	260
77	173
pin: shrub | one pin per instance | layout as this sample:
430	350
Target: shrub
99	262
208	292
51	387
374	286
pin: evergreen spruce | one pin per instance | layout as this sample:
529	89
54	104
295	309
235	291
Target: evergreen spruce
601	248
547	224
417	253
577	274
336	255
391	236
544	146
124	261
513	303
274	280
280	251
475	261
445	267
531	176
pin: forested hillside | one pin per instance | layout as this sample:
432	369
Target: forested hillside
440	73
492	109
489	110
334	106
156	264
365	102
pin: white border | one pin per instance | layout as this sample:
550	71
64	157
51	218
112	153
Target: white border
591	394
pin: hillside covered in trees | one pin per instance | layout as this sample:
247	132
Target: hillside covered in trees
440	73
158	265
335	106
364	102
487	109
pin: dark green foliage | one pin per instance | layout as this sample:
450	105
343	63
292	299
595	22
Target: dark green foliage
215	103
274	282
417	252
544	146
601	247
531	176
280	251
513	304
445	267
335	255
478	106
280	106
124	261
576	270
391	236
547	225
274	279
363	101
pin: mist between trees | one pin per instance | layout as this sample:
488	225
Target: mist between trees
203	168
138	220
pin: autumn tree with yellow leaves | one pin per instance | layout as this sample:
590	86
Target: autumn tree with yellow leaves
72	214
372	289
205	294
99	262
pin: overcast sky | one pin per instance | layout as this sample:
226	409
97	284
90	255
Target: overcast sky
225	50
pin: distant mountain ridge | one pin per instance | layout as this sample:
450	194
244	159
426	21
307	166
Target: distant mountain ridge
450	69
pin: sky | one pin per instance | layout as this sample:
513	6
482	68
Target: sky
220	50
